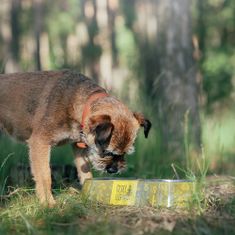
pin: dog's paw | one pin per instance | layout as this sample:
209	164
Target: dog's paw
50	202
85	176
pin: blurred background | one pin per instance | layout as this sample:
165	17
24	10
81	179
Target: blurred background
172	60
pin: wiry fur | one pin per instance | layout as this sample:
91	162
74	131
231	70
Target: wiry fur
45	109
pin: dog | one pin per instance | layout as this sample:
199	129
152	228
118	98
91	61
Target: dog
50	108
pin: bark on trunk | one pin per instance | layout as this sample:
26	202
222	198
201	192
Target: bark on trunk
178	90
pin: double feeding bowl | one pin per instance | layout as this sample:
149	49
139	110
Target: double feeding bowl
140	192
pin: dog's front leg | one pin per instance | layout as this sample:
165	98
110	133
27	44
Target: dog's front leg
82	165
39	152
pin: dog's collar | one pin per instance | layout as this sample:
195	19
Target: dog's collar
87	107
86	111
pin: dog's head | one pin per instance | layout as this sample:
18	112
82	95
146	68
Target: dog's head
113	137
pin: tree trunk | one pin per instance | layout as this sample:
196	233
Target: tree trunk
91	52
38	11
15	28
11	40
177	93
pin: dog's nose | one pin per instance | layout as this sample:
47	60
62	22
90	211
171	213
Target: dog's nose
112	169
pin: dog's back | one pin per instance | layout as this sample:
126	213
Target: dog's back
25	97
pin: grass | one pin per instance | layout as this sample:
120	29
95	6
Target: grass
22	213
219	141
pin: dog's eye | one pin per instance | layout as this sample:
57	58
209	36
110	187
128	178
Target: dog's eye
111	154
106	154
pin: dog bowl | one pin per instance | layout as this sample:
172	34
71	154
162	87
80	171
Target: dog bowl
139	192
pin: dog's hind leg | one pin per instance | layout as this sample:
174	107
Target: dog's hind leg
82	165
39	152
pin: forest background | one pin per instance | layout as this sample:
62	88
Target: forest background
172	60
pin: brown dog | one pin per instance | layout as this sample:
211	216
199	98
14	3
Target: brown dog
51	108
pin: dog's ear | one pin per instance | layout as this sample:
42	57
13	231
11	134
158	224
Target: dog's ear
102	128
143	122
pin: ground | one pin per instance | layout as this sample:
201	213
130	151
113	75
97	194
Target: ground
20	213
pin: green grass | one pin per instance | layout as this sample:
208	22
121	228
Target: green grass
23	214
219	141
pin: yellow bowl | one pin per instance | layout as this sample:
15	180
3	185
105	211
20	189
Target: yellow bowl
139	192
